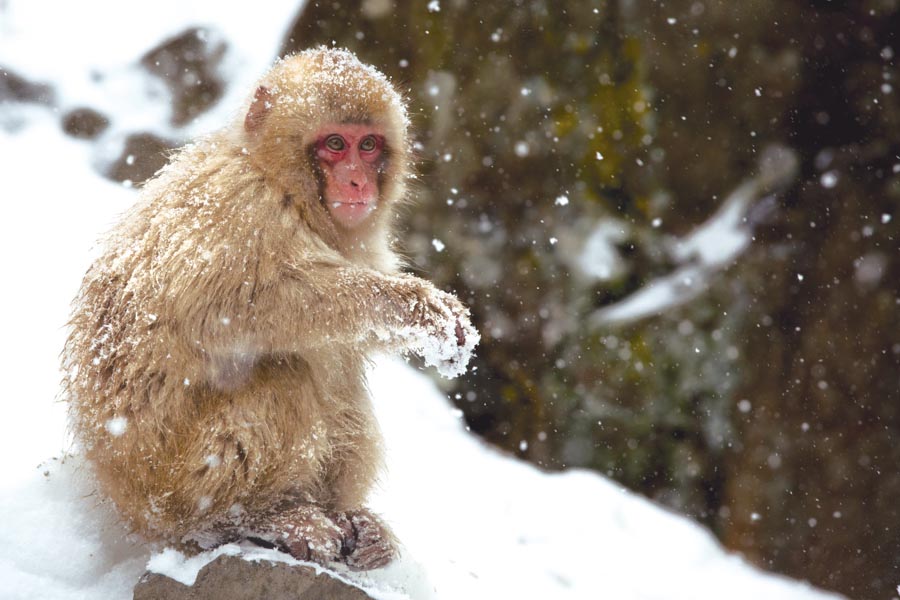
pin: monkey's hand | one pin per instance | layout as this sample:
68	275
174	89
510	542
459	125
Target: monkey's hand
441	331
368	542
305	532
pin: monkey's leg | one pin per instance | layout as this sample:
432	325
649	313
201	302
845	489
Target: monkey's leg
368	543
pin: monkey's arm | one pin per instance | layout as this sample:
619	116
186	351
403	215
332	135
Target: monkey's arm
324	302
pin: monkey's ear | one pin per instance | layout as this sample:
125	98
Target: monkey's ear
259	108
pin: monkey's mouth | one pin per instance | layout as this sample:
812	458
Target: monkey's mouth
351	213
352	205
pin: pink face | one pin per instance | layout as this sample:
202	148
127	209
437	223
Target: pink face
350	157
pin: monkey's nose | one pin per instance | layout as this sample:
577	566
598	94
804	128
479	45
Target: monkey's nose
358	180
351	175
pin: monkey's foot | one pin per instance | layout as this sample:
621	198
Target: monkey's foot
367	541
304	532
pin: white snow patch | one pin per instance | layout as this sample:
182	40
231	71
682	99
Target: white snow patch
658	295
117	426
184	569
438	342
829	179
724	236
600	259
204	503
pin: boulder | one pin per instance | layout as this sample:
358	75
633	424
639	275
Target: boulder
233	578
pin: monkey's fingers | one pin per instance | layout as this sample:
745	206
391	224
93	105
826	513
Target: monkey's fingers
373	556
305	532
466	338
299	549
348	533
314	548
372	545
460	335
440	331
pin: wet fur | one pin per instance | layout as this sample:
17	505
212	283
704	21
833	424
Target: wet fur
215	366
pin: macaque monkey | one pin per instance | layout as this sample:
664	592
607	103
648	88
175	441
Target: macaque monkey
215	369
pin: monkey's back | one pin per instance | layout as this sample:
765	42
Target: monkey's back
186	419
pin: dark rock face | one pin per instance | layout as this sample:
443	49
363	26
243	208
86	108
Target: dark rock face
188	63
84	123
15	88
233	578
144	154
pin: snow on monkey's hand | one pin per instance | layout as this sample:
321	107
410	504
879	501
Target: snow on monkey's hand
442	333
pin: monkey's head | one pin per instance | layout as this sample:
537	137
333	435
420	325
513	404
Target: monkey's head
331	131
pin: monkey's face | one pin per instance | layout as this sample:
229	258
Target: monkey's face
330	135
351	158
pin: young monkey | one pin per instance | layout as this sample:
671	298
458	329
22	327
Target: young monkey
216	360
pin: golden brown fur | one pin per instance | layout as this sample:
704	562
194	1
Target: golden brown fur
217	349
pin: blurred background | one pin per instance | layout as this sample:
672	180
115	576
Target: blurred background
676	224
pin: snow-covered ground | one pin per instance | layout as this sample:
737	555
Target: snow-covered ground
474	523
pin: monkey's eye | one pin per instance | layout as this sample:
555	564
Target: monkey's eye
335	143
368	143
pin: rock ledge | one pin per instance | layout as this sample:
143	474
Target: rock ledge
233	578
